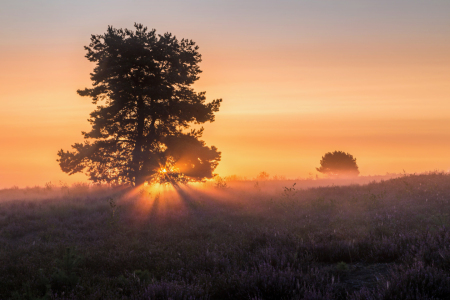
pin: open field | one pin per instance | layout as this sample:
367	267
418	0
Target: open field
248	240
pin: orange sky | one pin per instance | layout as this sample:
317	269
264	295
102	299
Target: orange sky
379	91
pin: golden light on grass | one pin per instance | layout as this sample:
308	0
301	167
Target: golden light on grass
158	200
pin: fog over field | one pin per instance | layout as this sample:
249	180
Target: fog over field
229	240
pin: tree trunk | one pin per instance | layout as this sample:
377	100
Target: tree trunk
149	138
139	178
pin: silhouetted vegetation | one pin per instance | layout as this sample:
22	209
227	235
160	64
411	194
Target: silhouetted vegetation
140	129
382	240
338	164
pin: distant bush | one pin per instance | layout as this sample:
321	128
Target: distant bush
289	192
263	176
219	182
338	164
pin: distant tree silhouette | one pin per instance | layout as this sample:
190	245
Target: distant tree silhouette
141	127
338	164
263	176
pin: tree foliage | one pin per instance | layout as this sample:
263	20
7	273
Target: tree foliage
338	164
141	128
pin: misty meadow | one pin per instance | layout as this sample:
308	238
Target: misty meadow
179	105
266	239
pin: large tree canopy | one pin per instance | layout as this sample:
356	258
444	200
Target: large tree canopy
145	108
338	164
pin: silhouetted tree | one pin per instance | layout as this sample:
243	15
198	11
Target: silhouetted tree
337	164
141	127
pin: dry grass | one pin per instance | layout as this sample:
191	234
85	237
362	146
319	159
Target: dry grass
274	240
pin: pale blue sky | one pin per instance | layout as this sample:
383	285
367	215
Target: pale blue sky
23	22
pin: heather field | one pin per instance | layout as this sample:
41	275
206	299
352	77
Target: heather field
317	239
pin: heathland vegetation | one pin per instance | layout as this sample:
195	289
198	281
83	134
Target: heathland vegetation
228	240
